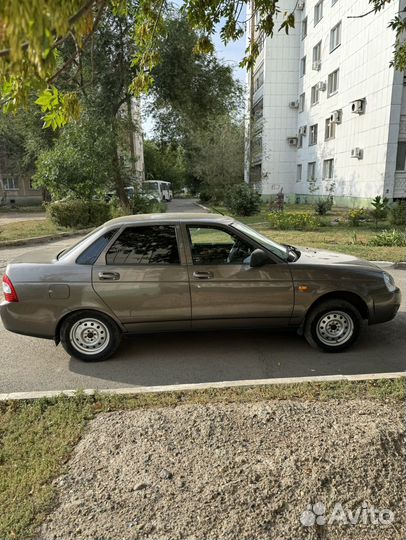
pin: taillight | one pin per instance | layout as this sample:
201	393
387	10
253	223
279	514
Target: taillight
9	291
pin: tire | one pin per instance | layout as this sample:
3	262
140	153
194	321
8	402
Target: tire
90	336
333	326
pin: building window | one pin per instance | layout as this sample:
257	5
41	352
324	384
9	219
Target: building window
302	98
10	183
311	171
258	80
335	37
313	135
401	156
318	12
257	114
299	173
303	66
317	56
304	28
333	83
333	2
330	130
328	169
315	95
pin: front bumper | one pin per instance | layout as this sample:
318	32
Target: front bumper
386	307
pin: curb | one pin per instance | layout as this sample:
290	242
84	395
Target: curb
203	207
42	239
199	386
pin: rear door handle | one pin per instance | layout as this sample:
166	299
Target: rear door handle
109	276
203	275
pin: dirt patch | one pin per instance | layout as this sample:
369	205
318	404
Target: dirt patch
236	471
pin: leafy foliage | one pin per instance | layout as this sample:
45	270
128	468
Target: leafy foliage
322	206
78	213
296	221
242	200
389	238
397	215
381	208
165	163
356	216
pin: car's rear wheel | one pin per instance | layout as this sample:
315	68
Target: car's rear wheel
90	336
333	325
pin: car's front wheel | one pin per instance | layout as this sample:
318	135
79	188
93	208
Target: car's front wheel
333	325
90	336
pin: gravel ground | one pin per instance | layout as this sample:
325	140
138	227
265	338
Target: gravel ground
235	471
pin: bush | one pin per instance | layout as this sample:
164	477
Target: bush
381	208
242	200
322	206
356	215
300	221
78	214
392	238
397	214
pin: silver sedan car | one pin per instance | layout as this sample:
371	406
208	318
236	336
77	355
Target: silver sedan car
173	272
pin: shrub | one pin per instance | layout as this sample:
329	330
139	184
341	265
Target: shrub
242	200
392	238
78	214
381	208
397	215
356	215
299	221
322	206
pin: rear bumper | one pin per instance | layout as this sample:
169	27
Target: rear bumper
386	307
16	319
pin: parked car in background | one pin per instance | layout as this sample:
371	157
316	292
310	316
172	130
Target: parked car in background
172	272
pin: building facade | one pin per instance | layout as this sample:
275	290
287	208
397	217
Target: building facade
327	112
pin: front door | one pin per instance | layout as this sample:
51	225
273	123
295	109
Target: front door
143	278
226	288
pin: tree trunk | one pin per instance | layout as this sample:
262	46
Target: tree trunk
118	179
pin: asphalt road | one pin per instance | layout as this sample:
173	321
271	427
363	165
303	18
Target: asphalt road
29	364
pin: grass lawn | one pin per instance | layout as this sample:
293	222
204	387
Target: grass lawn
340	237
37	437
28	229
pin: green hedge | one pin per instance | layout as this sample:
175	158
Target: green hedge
78	214
297	221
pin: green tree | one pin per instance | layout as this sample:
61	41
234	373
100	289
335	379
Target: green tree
165	163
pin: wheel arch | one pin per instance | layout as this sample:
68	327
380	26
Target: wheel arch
57	336
353	298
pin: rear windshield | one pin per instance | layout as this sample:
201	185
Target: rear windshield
68	250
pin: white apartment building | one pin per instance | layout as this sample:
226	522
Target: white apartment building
327	112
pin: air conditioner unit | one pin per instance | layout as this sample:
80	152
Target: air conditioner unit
302	130
300	4
358	106
316	65
336	117
357	153
294	104
292	141
321	86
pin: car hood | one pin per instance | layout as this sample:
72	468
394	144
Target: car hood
323	257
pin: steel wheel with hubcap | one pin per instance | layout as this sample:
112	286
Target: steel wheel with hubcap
90	336
333	325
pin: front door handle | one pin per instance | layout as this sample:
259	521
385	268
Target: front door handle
109	276
203	275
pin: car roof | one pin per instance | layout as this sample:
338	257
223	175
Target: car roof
178	217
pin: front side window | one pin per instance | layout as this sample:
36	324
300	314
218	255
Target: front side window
318	12
328	169
153	244
335	37
211	245
330	130
313	135
333	83
315	95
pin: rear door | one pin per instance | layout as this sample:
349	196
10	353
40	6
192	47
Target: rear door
143	278
225	288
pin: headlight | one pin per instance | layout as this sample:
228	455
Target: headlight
389	282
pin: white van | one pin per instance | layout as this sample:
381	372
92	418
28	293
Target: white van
163	190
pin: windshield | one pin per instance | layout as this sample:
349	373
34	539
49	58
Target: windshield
277	249
150	186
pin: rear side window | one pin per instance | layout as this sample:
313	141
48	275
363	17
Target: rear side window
92	253
154	244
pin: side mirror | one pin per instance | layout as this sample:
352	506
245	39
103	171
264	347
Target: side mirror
258	258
